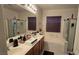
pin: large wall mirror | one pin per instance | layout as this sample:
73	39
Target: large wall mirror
17	20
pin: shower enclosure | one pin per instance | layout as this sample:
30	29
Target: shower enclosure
16	27
69	33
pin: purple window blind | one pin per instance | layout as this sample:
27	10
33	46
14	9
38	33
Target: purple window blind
53	23
31	23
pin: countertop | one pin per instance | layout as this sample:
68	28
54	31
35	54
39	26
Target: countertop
22	49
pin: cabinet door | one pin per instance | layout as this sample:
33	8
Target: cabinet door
37	49
41	45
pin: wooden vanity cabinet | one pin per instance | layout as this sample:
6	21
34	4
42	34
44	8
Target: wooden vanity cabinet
30	52
41	45
37	49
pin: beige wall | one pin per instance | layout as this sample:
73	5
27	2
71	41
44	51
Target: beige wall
39	17
52	36
10	13
3	47
64	13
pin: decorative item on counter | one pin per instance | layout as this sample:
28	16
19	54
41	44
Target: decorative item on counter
15	43
18	33
40	32
37	32
28	36
68	19
11	40
24	38
34	33
20	39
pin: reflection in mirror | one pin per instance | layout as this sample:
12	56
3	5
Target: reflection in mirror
15	27
17	20
32	23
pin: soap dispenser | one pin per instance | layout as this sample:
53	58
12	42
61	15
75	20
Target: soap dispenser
24	38
15	43
10	40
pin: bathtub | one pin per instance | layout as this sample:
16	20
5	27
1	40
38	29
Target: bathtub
57	45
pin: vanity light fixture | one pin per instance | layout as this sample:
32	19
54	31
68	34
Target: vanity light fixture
32	8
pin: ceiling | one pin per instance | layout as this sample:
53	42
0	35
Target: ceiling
14	7
56	6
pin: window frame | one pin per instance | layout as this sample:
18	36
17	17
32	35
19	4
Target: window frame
47	24
32	29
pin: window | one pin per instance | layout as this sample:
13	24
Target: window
31	23
53	23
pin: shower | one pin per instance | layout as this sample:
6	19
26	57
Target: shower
69	33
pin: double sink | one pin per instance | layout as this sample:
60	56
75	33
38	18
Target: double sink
28	42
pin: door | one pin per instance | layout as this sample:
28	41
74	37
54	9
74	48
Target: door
71	35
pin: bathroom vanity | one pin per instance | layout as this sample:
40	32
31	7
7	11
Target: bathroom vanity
33	46
37	48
